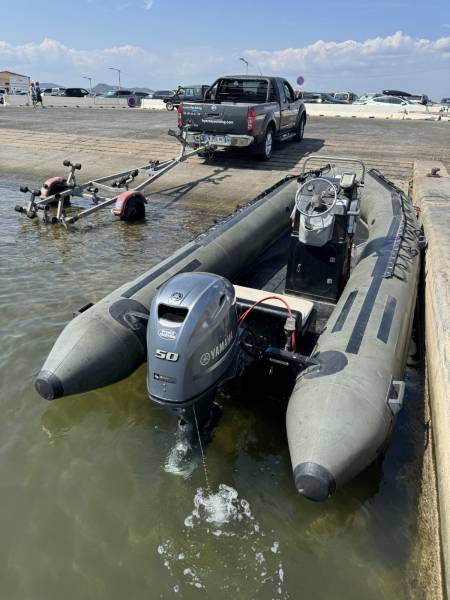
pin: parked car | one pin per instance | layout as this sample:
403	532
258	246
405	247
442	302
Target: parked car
380	100
348	97
75	93
319	97
445	101
162	94
119	94
188	93
140	95
365	97
419	99
386	100
241	111
55	91
412	98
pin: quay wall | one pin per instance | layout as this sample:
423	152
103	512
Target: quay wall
63	102
415	112
432	195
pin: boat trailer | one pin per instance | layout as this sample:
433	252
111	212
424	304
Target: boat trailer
129	203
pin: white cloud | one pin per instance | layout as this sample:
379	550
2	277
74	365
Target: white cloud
395	61
328	55
51	60
148	4
374	63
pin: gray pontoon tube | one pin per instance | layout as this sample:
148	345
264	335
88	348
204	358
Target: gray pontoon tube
107	342
340	414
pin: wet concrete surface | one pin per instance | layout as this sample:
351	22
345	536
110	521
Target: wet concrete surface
33	144
403	139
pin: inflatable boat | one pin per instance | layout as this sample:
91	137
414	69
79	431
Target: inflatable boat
312	286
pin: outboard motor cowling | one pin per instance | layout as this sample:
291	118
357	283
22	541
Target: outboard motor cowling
191	340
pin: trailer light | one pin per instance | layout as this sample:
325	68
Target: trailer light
180	116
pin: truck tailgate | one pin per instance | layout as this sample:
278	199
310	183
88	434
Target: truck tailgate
216	118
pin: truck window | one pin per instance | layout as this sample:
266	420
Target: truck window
242	90
288	92
212	93
272	93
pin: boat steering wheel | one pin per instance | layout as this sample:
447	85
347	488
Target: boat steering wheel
316	198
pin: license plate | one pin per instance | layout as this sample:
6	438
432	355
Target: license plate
222	140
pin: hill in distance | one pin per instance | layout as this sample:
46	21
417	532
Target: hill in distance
102	88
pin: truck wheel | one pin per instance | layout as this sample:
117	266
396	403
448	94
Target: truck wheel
134	211
300	132
264	148
169	105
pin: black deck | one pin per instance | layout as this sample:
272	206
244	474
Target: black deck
268	272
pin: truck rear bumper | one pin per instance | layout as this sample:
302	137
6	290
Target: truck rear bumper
226	140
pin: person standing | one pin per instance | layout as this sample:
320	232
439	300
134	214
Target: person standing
33	94
38	94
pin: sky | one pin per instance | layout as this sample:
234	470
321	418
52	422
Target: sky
336	45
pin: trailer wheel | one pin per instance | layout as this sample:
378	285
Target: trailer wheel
134	210
300	131
169	106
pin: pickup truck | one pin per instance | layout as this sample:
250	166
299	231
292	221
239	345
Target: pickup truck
186	93
242	111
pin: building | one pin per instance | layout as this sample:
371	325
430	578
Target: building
13	82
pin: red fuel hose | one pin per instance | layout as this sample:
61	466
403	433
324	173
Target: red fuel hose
248	311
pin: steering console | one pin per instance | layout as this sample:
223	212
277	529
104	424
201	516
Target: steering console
316	197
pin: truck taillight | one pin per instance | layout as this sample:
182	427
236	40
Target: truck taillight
180	116
250	119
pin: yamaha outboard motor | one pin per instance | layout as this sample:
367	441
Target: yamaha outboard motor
192	343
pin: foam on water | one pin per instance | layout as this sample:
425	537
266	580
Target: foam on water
218	508
181	459
221	530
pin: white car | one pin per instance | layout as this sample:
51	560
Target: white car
391	101
56	91
363	99
387	100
